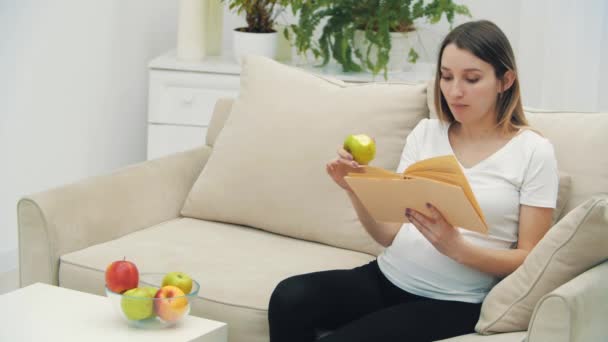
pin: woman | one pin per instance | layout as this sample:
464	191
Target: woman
429	282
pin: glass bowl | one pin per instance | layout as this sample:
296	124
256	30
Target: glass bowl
152	313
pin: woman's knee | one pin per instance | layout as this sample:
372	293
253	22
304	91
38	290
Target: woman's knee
291	294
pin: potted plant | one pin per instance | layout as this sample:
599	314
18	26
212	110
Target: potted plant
360	34
259	36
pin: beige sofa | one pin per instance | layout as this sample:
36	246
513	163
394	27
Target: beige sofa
68	235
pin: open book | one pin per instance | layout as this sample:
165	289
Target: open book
439	181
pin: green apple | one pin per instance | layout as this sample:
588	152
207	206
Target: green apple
361	147
178	279
138	303
150	290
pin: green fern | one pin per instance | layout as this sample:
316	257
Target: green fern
259	14
376	18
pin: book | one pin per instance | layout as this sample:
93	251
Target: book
439	181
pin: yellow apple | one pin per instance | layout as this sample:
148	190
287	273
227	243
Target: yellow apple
178	279
170	303
361	147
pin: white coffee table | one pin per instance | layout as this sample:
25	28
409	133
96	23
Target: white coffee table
42	312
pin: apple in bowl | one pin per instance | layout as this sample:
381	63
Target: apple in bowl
136	303
170	303
151	305
122	275
178	279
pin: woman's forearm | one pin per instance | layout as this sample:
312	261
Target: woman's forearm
493	261
383	233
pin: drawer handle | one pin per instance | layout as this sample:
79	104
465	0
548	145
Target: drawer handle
187	101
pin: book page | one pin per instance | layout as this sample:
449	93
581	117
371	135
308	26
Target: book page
386	200
437	172
375	172
444	164
445	169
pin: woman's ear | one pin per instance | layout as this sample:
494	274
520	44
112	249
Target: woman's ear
507	81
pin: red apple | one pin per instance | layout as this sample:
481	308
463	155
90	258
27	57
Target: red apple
170	303
121	276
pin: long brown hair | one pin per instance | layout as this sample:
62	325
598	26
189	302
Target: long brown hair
487	42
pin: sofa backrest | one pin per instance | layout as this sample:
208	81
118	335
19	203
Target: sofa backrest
580	140
581	146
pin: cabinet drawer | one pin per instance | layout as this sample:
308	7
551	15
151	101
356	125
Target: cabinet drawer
166	139
187	98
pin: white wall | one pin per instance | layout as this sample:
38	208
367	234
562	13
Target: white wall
603	83
73	93
560	59
505	13
8	252
561	47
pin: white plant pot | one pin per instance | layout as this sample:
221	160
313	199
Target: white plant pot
261	44
401	42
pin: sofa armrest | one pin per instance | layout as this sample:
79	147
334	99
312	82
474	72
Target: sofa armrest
575	311
100	209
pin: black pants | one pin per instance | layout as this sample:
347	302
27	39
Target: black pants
361	305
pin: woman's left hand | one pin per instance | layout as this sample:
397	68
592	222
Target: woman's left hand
445	237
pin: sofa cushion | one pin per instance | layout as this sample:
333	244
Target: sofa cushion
580	144
576	243
267	169
519	336
563	193
237	267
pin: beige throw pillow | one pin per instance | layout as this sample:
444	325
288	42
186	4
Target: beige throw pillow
576	243
267	169
563	193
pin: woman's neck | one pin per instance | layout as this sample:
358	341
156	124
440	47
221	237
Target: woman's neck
477	131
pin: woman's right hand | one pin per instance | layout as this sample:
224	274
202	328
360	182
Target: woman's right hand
341	166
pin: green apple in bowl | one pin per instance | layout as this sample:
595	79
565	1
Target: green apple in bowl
361	147
138	303
178	279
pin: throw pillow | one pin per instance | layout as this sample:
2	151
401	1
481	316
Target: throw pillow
562	195
267	169
576	243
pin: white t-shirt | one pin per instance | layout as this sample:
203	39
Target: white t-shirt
524	171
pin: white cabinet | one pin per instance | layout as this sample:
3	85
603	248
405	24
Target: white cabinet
187	98
182	96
